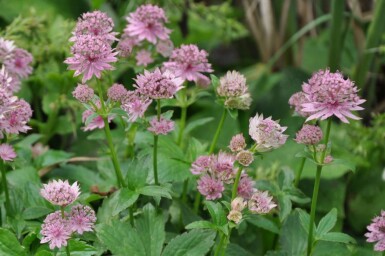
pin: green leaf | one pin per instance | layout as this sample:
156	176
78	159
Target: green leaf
122	199
233	113
193	243
78	248
44	253
196	123
201	224
293	238
9	245
298	196
263	222
285	178
136	174
327	223
214	81
155	191
285	206
338	237
150	229
35	212
304	218
216	212
52	157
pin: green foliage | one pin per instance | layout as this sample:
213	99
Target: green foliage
9	244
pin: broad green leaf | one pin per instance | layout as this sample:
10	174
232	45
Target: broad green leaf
78	248
304	219
150	229
193	243
137	173
293	238
285	206
201	224
327	223
285	178
31	213
263	222
54	157
196	123
28	141
216	212
298	196
236	250
324	248
122	199
155	191
44	253
9	245
338	237
214	81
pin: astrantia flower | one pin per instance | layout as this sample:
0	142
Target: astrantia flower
135	106
19	63
242	102
125	46
261	202
161	126
157	84
201	165
5	79
6	48
267	133
237	143
143	58
235	216
330	94
60	192
55	230
188	62
238	204
309	135
15	119
96	24
245	187
83	93
91	56
377	232
245	157
96	123
210	188
147	23
296	101
7	153
165	48
233	84
116	92
222	166
82	218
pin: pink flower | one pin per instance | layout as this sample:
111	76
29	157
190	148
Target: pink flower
82	218
97	122
223	166
19	63
235	216
7	153
245	187
157	84
201	165
143	58
245	157
116	92
188	62
237	143
96	24
91	56
377	232
135	106
5	79
261	202
238	204
163	126
60	192
147	23
233	84
16	118
267	133
165	48
83	93
330	94
6	48
55	230
309	135
125	46
296	101
210	188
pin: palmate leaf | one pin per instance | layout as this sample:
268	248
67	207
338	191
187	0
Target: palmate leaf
9	245
327	223
193	243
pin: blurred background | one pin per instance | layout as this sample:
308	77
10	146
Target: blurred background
276	44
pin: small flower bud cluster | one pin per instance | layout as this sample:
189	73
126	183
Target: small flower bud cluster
237	145
58	227
232	87
161	126
309	135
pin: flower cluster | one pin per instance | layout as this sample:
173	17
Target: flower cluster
92	52
377	232
161	126
233	88
329	94
266	133
309	135
58	226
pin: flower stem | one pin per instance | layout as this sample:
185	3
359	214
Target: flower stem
218	131
316	189
298	176
236	183
5	186
183	115
155	157
63	217
220	245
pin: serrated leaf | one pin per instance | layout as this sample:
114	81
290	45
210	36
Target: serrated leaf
263	222
285	206
216	212
293	238
155	191
327	223
201	224
193	243
35	212
78	248
196	123
338	237
304	219
9	245
122	199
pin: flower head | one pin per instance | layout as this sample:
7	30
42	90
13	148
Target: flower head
91	56
377	232
296	100
235	216
125	46
135	106
309	135
201	165
188	62
233	84
117	92
237	143
60	192
157	84
245	157
245	187
55	230
6	48
222	166
83	93
7	153
143	58
15	119
238	204
82	218
165	48
147	23
19	63
210	187
97	122
267	133
330	94
261	202
161	126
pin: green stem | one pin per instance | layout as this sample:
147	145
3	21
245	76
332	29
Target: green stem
298	177
184	192
197	202
5	186
182	125
336	35
220	245
236	183
218	131
327	134
313	209
155	157
63	217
